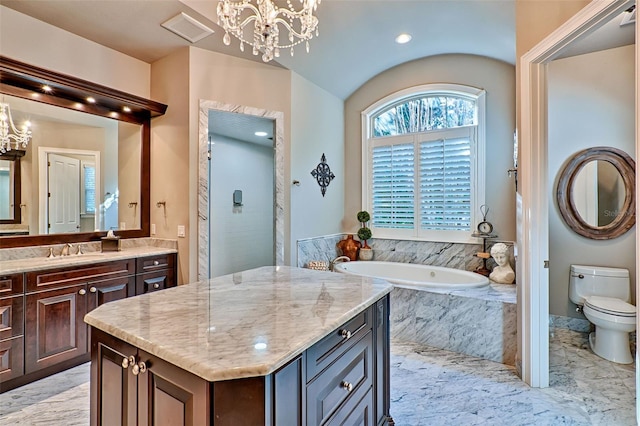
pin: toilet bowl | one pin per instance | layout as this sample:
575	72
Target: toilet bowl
604	293
614	320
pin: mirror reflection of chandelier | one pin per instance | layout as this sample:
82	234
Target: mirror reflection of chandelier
9	134
260	25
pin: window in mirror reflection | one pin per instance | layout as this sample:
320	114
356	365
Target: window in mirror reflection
97	174
598	193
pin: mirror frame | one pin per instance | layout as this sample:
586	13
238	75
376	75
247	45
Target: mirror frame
25	81
625	166
17	193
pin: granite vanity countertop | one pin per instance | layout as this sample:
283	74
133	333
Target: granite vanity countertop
241	325
15	266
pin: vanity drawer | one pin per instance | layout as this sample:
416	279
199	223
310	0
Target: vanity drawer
11	284
345	381
323	353
11	359
11	317
62	277
154	263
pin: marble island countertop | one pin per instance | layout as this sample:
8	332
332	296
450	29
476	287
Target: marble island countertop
13	261
241	325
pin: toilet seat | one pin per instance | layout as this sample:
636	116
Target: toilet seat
610	306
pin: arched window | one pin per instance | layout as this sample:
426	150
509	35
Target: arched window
423	163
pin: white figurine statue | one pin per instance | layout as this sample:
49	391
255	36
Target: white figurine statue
502	273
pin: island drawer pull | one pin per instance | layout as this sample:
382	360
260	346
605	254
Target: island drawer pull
346	334
156	285
156	263
346	386
126	362
139	368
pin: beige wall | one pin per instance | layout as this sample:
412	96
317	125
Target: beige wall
35	42
316	129
129	160
590	104
497	78
181	80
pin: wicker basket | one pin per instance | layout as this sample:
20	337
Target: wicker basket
318	265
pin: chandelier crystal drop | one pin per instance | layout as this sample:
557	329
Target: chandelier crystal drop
259	24
9	133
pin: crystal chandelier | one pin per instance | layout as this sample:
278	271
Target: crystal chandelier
9	134
236	17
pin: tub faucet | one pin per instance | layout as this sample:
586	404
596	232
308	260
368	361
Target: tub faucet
66	250
338	259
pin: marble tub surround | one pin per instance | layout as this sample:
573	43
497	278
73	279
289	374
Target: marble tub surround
21	259
477	322
450	255
217	323
317	248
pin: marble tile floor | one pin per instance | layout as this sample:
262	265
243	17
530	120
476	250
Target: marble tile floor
428	387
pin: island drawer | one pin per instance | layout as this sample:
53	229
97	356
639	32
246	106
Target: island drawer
323	353
11	284
155	263
11	360
346	380
62	277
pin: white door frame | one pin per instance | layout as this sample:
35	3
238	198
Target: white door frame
533	235
43	154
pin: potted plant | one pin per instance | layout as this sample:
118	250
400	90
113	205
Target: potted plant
364	233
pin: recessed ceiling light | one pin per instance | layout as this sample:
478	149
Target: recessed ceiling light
403	38
91	100
261	134
46	88
126	109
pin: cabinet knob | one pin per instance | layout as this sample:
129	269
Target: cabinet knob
93	289
82	292
346	334
156	263
346	386
139	368
126	362
156	286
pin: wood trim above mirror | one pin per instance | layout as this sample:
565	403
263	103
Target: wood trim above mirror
23	80
568	210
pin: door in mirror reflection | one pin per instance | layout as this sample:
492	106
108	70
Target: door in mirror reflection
6	190
598	193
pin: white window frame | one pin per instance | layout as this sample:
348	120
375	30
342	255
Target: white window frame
477	163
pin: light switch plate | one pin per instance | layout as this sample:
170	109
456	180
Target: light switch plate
153	229
181	231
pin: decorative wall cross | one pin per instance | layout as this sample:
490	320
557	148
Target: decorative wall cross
323	174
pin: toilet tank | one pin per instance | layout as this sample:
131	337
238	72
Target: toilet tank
585	281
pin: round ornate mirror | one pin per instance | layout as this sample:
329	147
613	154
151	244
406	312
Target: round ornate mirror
596	193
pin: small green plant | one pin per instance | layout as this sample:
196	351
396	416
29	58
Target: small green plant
364	233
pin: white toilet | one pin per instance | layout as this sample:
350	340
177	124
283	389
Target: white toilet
604	294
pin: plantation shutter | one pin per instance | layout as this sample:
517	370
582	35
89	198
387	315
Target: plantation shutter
445	184
393	186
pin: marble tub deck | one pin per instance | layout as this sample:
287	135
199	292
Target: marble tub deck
429	386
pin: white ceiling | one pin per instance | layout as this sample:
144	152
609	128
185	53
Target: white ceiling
356	40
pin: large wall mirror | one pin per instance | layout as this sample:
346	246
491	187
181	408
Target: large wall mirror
86	168
596	193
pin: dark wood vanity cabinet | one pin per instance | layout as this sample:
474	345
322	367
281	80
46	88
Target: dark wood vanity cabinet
341	380
42	329
11	327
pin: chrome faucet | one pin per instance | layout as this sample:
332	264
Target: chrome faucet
338	259
66	250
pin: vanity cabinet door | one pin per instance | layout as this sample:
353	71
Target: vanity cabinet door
55	330
101	292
